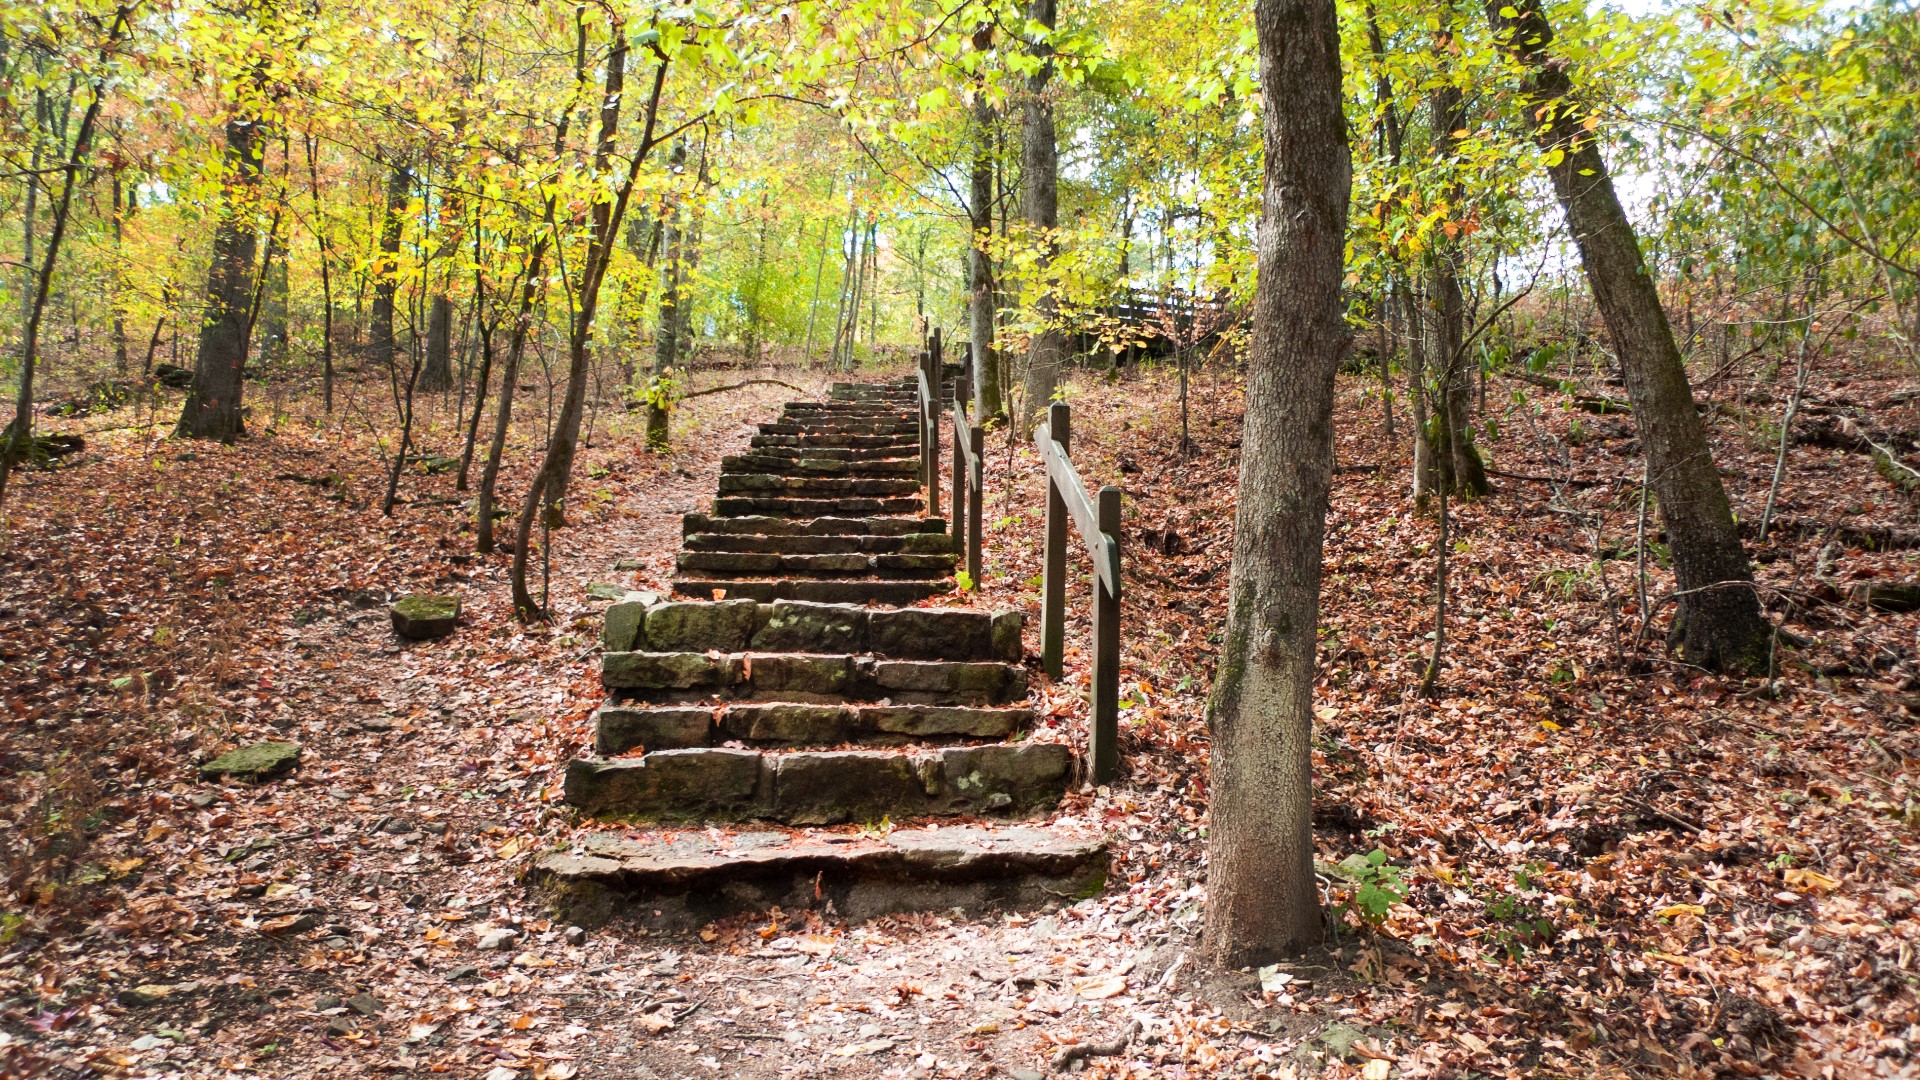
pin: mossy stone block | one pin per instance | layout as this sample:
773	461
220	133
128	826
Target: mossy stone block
420	616
261	761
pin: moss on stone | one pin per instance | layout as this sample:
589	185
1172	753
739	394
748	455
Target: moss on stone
422	606
260	761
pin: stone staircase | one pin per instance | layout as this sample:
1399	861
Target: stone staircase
879	747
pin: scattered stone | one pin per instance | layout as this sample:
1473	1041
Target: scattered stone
574	935
364	1004
630	564
600	590
376	724
421	616
464	973
203	799
285	925
327	1001
146	994
499	940
261	761
340	1027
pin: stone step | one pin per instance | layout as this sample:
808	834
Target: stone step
792	626
773	484
847	591
846	506
820	566
813	428
909	452
822	440
911	543
800	465
813	677
623	727
823	787
681	880
822	526
902	409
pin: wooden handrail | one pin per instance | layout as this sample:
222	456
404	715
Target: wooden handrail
929	415
969	466
1098	521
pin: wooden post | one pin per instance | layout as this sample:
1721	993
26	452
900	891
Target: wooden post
1103	737
930	366
976	504
1053	588
920	416
959	489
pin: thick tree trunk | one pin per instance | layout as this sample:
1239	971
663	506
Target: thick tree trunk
385	269
1040	180
212	410
1261	898
1718	622
437	375
988	402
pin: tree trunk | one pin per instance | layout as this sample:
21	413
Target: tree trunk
121	207
1413	323
1718	622
273	306
988	402
212	410
666	339
437	375
386	268
326	277
1040	181
1261	898
19	432
1464	473
819	270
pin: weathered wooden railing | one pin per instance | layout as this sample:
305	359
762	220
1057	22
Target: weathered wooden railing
1098	520
928	379
969	461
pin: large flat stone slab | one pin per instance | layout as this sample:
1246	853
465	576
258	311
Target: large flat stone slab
683	880
823	787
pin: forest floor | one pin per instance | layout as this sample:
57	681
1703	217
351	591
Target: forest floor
1614	865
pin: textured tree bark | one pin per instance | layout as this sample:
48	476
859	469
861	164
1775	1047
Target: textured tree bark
988	402
1463	471
1413	320
666	339
1040	182
212	409
1718	623
19	431
437	375
1261	899
273	303
121	209
386	286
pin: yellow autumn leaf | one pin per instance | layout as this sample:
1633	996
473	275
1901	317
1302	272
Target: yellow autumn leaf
1674	911
1812	881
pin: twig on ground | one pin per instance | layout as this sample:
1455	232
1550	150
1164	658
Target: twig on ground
1080	1051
